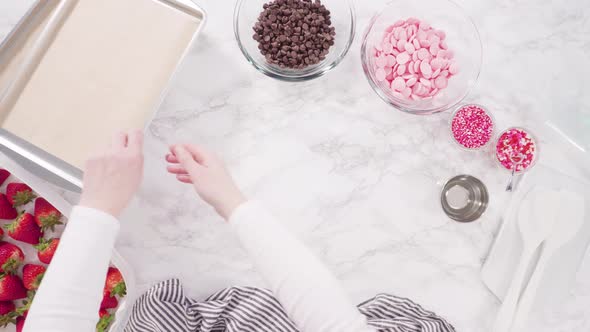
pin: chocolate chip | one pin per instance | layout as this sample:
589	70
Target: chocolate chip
294	33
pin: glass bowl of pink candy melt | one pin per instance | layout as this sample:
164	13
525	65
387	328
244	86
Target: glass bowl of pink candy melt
423	56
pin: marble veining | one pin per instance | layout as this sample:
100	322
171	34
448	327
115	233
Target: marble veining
357	180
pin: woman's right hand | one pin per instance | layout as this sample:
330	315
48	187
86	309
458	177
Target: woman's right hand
207	173
113	175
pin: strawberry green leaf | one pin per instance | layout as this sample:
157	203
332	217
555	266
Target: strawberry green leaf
104	323
120	289
9	318
43	244
50	221
10	227
11	266
22	198
38	280
26	304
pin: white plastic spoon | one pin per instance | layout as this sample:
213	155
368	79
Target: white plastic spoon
571	212
534	228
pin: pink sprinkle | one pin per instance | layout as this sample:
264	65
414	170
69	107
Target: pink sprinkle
472	127
516	143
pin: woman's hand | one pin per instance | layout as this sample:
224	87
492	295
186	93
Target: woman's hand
194	165
112	177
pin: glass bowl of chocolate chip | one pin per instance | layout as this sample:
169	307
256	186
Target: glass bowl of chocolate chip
294	40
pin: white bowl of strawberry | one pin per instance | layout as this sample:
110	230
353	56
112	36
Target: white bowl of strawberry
29	236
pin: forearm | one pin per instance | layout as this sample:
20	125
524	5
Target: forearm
72	288
311	295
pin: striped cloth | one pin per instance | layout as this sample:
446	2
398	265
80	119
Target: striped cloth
243	309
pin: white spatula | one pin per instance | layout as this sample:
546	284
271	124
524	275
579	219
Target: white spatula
534	227
570	207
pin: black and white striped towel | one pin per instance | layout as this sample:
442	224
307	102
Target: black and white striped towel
243	309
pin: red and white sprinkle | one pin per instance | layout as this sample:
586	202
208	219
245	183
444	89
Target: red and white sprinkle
472	126
513	143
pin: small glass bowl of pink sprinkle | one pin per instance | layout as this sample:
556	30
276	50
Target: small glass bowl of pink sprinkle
472	127
422	57
516	148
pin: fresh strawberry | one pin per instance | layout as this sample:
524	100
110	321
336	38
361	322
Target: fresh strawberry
11	257
105	321
21	312
19	194
115	285
26	304
46	216
1	233
11	288
24	229
108	301
6	307
46	249
32	276
7	313
102	313
4	174
20	322
7	211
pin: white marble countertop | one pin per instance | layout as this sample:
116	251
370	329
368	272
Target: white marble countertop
357	180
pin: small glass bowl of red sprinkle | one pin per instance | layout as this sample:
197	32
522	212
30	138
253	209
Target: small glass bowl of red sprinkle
516	148
472	127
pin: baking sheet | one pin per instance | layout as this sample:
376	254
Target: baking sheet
105	69
19	174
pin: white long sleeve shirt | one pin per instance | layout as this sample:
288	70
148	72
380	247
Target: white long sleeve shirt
70	294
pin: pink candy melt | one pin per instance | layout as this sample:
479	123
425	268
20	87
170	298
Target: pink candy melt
516	143
472	127
418	57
